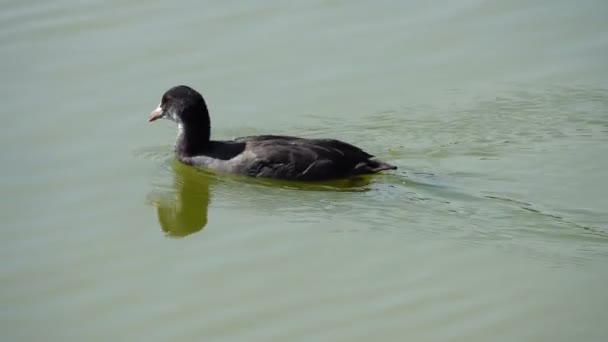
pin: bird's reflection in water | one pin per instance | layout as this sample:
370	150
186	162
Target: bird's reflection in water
182	210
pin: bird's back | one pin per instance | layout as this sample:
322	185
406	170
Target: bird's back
286	157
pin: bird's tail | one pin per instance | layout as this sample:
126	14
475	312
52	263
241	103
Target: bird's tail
373	166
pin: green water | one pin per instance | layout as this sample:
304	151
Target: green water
494	228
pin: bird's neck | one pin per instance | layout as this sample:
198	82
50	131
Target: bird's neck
192	140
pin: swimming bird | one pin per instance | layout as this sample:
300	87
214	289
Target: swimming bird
269	156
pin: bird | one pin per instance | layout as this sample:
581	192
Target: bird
266	156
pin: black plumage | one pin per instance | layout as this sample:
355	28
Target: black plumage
270	156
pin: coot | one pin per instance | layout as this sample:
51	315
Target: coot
271	156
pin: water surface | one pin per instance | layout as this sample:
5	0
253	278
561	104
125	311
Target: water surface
494	228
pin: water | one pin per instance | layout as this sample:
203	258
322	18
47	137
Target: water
494	228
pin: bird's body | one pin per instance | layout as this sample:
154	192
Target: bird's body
286	157
269	156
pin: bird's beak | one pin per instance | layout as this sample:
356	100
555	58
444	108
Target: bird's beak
156	114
